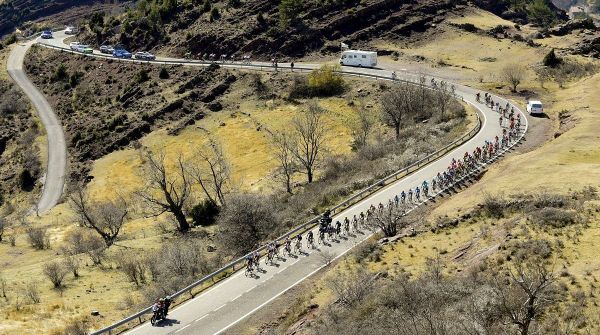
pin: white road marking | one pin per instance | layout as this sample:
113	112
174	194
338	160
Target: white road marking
220	307
182	328
200	318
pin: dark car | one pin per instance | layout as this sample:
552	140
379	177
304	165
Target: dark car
46	34
121	53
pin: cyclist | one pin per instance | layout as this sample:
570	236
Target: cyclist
355	223
418	193
248	266
396	200
288	246
299	243
346	226
310	240
338	228
410	193
403	196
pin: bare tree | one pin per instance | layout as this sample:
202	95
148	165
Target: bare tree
38	237
282	145
3	225
513	74
525	295
309	138
362	128
245	222
389	219
105	218
444	94
55	272
352	287
3	287
213	172
71	263
31	291
399	105
167	191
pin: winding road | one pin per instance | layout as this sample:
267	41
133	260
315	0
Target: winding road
54	178
233	299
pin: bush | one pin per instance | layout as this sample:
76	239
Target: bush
141	76
325	81
214	14
554	217
55	272
60	74
493	206
163	74
551	60
38	238
205	213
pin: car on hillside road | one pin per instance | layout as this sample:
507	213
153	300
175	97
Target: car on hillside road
46	34
74	45
144	55
84	49
121	53
70	30
107	49
535	107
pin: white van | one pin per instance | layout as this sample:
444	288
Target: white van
535	107
359	58
70	30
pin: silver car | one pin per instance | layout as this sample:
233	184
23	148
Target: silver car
144	55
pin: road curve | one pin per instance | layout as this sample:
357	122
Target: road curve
233	299
54	178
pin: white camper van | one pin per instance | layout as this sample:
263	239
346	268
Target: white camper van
359	58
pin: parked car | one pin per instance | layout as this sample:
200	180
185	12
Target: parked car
87	50
535	107
46	34
70	30
74	45
121	53
107	49
144	55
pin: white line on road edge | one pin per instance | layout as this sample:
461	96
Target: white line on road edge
218	308
200	318
182	328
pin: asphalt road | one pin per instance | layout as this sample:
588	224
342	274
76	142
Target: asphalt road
54	178
230	301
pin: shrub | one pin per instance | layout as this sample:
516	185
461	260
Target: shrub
214	14
288	11
554	217
141	76
60	74
552	60
12	38
55	272
163	74
204	213
325	81
38	238
493	206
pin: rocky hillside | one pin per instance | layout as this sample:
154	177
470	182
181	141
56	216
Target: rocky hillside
105	106
13	13
266	27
